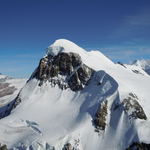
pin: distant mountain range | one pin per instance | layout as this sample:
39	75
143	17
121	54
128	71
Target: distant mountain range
138	66
9	88
145	64
78	100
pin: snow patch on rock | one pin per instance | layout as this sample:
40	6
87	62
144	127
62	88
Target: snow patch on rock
54	50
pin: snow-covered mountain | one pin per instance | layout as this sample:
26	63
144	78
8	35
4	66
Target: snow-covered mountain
78	100
9	88
144	64
137	69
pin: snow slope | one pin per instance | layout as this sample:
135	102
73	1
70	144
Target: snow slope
51	118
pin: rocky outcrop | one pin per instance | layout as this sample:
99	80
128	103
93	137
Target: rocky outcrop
65	70
16	102
68	146
139	146
4	147
120	63
133	108
100	120
137	72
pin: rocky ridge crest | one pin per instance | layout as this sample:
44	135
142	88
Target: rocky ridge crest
65	70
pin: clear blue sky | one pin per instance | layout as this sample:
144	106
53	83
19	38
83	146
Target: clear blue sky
119	29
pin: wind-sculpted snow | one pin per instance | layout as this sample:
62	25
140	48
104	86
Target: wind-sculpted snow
39	146
55	50
32	125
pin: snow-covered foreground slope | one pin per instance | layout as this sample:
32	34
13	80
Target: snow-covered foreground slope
78	100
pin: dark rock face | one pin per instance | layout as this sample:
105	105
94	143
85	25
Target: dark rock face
100	120
131	107
68	146
132	103
65	69
4	147
16	102
139	146
120	63
137	72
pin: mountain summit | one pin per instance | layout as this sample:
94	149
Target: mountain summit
63	66
77	100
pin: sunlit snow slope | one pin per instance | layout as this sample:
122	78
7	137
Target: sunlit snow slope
78	100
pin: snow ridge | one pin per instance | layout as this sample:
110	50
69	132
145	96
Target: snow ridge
63	45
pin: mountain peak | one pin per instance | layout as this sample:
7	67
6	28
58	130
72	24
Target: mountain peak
63	45
67	65
135	62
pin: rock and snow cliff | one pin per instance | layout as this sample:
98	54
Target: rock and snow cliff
78	100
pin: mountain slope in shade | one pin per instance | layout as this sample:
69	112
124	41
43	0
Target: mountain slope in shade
78	100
